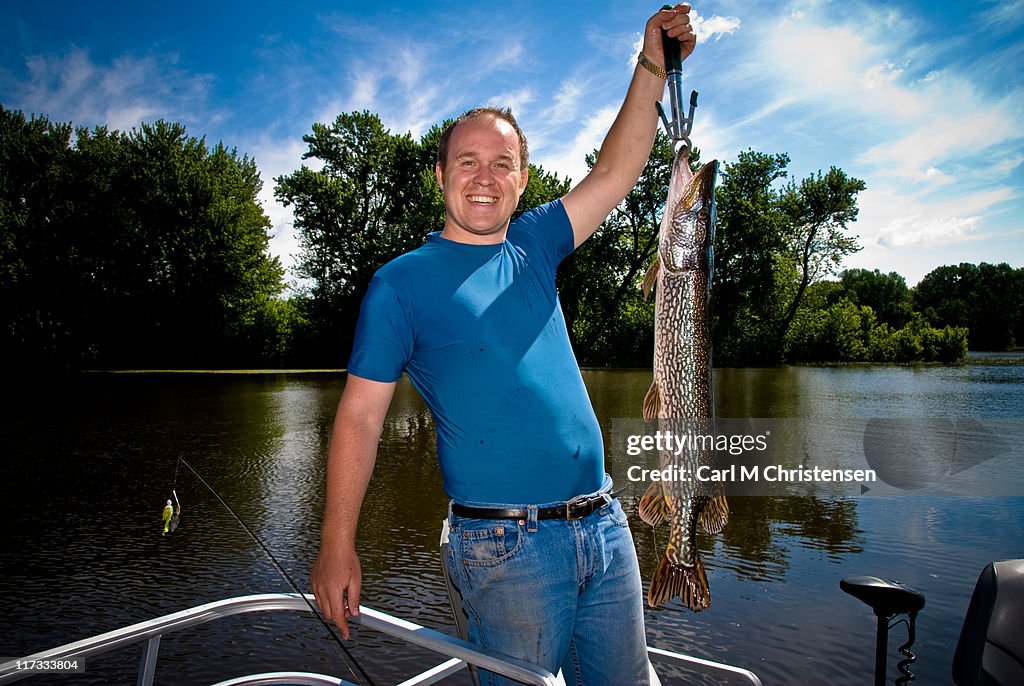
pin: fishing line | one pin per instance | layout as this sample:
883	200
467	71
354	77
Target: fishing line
281	570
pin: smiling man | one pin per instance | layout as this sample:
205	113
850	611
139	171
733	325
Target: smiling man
539	548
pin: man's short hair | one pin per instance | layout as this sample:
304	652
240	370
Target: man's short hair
503	113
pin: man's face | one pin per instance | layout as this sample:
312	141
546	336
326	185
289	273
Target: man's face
482	180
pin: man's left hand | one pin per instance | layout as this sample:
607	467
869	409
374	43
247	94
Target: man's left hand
676	22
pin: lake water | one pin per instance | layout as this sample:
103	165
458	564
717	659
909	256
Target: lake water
87	467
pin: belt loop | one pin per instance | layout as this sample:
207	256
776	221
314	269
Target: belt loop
531	518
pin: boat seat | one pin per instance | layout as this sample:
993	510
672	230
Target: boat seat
990	651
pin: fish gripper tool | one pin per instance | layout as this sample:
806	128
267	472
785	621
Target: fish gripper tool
678	128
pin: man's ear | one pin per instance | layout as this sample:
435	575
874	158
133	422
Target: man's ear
440	175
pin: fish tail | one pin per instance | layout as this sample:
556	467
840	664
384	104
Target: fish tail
689	582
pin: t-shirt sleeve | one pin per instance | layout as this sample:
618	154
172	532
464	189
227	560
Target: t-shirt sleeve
548	227
384	339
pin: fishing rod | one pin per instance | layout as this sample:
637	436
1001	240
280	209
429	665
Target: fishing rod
280	569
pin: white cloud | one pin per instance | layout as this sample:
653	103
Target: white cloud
365	87
910	146
893	218
924	230
862	76
517	100
881	75
1003	16
569	159
714	27
425	79
567	100
1002	167
120	95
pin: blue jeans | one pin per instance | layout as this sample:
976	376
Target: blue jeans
558	593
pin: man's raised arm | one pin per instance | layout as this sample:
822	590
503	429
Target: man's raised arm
336	577
627	146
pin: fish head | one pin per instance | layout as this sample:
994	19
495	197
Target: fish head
688	231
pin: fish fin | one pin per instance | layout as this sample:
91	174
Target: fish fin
651	277
690	583
716	513
653	507
652	402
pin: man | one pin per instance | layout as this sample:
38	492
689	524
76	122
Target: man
540	551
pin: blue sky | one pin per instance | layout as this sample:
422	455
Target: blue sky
921	100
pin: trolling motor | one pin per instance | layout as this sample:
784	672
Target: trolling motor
678	128
888	599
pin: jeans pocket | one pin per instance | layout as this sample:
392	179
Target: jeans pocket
615	514
489	545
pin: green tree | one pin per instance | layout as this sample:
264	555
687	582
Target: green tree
749	245
886	294
610	323
140	249
772	243
984	298
839	333
846	332
819	209
192	251
34	252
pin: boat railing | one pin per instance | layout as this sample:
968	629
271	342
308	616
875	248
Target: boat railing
459	653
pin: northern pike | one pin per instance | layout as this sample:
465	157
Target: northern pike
680	398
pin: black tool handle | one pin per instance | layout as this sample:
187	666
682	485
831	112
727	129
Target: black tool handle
670	46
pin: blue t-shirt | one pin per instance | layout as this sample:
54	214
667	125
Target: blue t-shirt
480	332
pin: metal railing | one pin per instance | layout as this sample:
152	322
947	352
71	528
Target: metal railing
459	652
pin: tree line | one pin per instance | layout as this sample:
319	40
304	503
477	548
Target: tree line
149	249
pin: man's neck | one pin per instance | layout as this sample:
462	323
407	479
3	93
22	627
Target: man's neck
459	235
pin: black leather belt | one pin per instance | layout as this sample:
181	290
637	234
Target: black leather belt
577	508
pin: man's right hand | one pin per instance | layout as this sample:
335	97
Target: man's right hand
336	580
336	577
